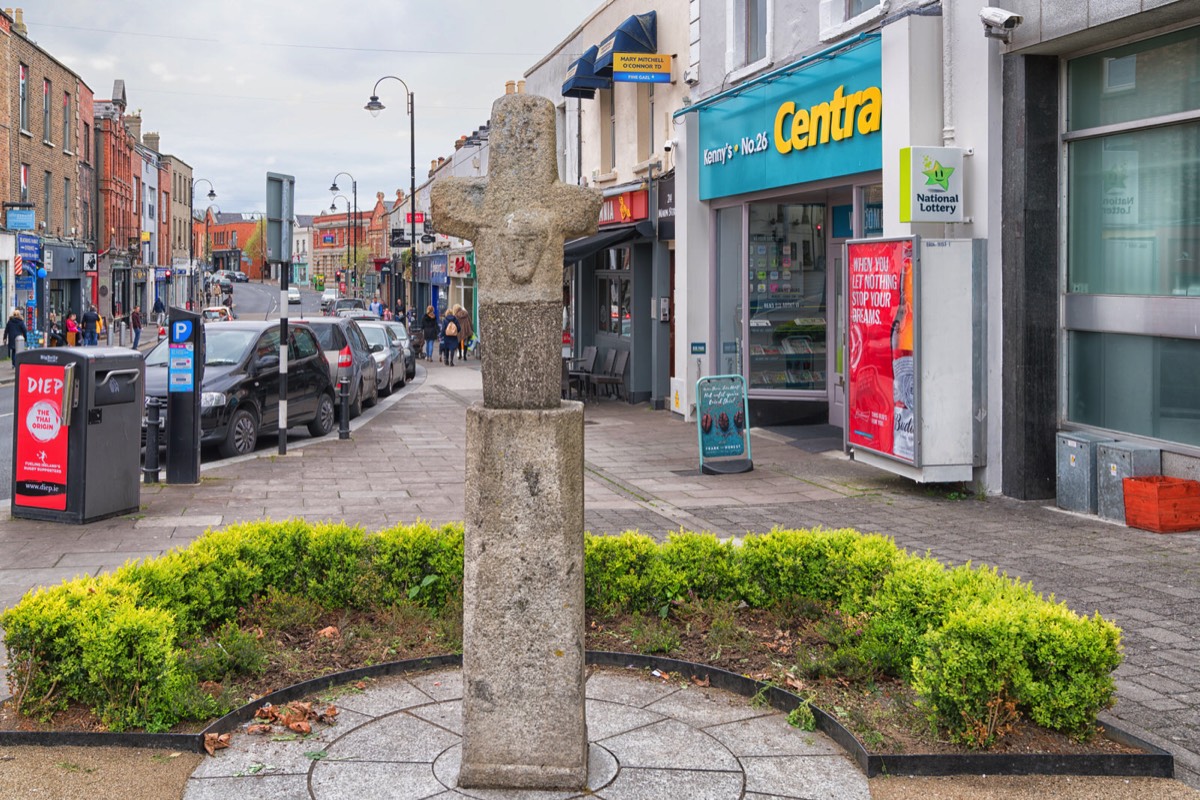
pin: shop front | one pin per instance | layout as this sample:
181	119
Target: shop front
789	168
64	265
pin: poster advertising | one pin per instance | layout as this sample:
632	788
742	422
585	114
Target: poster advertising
881	400
40	468
721	411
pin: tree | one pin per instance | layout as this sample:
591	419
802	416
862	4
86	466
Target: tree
256	248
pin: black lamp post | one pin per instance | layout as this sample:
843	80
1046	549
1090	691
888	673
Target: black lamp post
333	189
212	195
374	106
333	207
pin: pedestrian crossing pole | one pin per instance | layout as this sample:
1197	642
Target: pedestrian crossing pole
281	191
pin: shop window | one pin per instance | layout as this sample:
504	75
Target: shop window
1133	213
748	32
1143	385
786	277
730	285
614	292
839	17
872	210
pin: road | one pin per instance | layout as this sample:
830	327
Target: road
251	301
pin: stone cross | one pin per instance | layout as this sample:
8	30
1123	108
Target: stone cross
518	217
523	599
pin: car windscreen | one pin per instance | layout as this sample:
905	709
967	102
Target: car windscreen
399	331
221	347
375	334
327	336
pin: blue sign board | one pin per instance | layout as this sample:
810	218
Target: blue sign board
822	121
20	219
438	265
724	420
181	362
29	248
25	283
181	330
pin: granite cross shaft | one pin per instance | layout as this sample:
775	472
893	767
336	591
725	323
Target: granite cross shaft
523	597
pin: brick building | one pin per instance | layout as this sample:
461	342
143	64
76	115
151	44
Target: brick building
117	224
333	247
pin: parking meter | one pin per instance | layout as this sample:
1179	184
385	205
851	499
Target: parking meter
185	378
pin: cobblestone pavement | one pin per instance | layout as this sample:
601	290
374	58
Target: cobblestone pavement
405	461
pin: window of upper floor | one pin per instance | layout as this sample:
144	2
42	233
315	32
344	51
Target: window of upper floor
24	81
840	17
608	130
46	111
68	140
748	34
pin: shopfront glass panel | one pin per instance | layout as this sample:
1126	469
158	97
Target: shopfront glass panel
1134	214
729	290
613	292
785	280
1141	80
1142	385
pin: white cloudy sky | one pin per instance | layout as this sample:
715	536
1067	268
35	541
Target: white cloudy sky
241	88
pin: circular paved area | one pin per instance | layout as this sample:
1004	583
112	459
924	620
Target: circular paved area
401	738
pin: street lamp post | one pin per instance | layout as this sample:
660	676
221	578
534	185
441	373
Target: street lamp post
374	106
212	195
333	189
333	207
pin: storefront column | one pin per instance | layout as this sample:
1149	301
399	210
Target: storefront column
1030	267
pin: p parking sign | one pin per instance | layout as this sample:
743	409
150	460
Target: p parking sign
181	330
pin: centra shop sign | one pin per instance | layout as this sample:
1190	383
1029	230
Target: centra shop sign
824	120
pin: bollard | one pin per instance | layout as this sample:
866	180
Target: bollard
150	469
344	424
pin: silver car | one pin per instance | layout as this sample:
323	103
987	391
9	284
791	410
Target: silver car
388	352
410	353
349	358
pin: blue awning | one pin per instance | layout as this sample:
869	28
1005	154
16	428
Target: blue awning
581	79
638	34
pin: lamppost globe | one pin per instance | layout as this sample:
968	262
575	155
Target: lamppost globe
374	106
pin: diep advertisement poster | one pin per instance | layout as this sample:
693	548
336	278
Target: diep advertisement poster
40	463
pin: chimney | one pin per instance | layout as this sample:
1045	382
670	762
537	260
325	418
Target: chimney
151	141
520	87
399	197
458	143
19	22
509	87
133	124
433	166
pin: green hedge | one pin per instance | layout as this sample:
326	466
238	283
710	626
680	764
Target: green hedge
977	646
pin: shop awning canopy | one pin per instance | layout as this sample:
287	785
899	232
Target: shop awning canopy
582	80
638	34
579	249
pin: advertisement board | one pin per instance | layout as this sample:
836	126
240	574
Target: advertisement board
723	423
881	395
40	460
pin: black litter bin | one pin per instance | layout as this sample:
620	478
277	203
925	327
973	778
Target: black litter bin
76	433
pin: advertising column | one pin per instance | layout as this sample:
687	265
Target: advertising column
881	396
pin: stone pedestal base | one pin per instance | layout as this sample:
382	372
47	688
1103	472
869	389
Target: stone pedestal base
523	603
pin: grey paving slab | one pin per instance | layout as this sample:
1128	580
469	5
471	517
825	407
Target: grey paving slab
647	784
670	744
439	684
447	714
608	684
602	769
605	719
769	735
277	787
282	753
827	777
395	737
390	694
702	706
332	780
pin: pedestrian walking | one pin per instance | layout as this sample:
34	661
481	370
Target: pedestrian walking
91	327
429	329
135	322
465	329
376	307
14	329
159	310
72	326
449	337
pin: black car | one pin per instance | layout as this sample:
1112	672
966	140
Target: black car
240	391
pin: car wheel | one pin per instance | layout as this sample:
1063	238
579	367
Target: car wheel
387	385
403	378
242	435
322	423
356	403
374	398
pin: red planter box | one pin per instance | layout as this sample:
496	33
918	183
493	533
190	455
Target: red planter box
1161	504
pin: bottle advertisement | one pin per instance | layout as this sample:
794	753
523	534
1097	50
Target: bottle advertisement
881	396
40	463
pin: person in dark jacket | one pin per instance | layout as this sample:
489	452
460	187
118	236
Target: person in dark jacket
135	322
14	329
429	329
449	337
91	327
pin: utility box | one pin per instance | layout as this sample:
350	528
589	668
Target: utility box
1116	461
1076	455
78	418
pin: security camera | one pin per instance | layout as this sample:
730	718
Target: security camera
998	23
669	145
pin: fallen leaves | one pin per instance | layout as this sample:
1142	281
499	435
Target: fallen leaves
296	717
215	741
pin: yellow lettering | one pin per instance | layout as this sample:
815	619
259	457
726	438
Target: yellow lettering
800	133
871	111
852	103
836	128
781	144
819	113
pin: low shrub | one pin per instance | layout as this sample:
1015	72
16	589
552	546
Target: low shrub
978	647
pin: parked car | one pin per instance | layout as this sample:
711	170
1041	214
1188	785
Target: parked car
293	295
410	352
388	353
240	391
240	277
217	314
328	298
347	303
349	357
